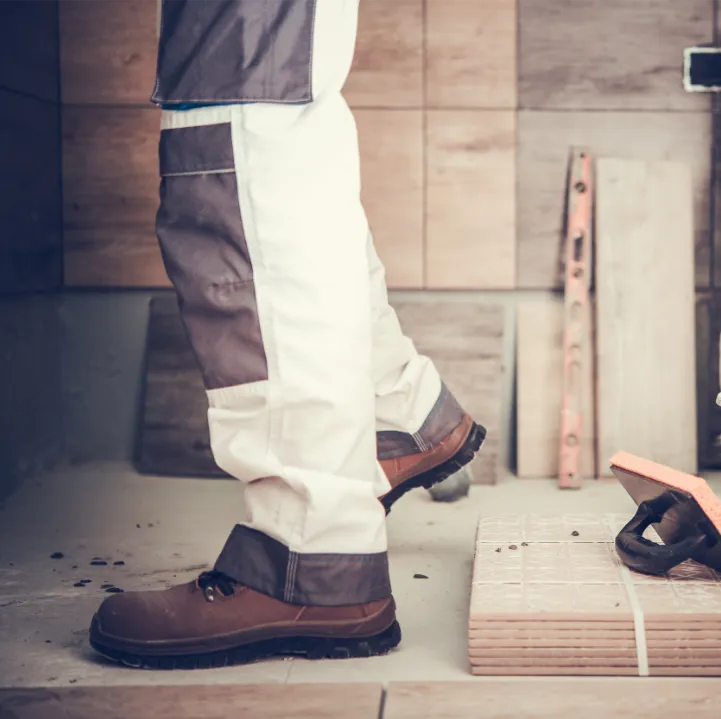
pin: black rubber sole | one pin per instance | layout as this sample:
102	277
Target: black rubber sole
433	476
307	647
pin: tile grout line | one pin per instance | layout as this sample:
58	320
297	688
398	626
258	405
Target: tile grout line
382	705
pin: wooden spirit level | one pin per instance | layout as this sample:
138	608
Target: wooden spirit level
576	325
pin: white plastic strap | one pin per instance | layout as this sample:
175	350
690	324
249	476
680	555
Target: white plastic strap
639	625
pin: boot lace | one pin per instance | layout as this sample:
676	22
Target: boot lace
210	582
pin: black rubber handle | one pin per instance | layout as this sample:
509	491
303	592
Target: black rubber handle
643	555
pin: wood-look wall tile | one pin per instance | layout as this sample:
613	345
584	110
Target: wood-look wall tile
29	59
388	62
707	376
616	54
110	197
108	51
465	342
716	191
30	210
471	53
645	312
539	391
544	143
174	438
711	442
471	207
391	147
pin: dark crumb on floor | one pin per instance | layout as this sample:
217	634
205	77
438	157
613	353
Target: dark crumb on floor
151	525
420	576
114	590
86	581
524	544
498	550
120	563
47	641
137	526
52	679
512	546
73	681
574	533
618	604
75	566
57	555
80	584
11	564
99	563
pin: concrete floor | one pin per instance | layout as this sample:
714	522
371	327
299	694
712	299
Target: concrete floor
167	530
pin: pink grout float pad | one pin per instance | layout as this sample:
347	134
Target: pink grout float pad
682	509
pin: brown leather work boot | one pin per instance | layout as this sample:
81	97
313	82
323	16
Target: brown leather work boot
215	622
425	469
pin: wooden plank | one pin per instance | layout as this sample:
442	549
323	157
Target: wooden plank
539	367
391	148
261	701
29	48
110	197
471	50
174	438
30	212
645	312
388	62
108	51
471	191
544	139
465	341
614	55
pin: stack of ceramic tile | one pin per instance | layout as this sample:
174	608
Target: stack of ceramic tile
550	596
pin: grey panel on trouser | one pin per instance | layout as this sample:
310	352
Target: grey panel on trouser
322	580
201	236
391	444
443	418
235	51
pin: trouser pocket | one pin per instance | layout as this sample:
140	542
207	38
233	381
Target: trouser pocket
201	235
231	51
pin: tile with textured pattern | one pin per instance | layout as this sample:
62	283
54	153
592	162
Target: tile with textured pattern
558	597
